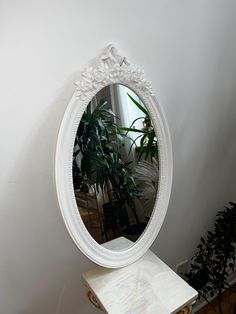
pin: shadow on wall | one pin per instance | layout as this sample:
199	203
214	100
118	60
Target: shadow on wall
40	265
204	179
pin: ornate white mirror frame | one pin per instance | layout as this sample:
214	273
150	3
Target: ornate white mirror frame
110	68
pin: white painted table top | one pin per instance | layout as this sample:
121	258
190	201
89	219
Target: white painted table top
147	286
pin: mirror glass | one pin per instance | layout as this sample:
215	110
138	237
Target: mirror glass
115	165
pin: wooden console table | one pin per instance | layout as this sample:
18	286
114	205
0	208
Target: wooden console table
147	286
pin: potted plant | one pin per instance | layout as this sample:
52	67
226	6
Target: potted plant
96	151
215	257
148	145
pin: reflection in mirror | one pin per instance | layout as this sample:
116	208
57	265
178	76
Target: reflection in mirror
115	165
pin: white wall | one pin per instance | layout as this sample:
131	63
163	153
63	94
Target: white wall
188	50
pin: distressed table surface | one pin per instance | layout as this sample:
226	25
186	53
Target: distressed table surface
147	286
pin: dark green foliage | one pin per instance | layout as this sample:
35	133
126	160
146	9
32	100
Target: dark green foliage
215	257
148	142
93	143
97	144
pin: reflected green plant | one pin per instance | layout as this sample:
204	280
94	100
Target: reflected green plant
148	147
96	153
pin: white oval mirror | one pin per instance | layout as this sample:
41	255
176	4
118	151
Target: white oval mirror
113	163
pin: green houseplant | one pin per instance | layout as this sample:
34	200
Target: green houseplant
96	151
148	147
215	257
